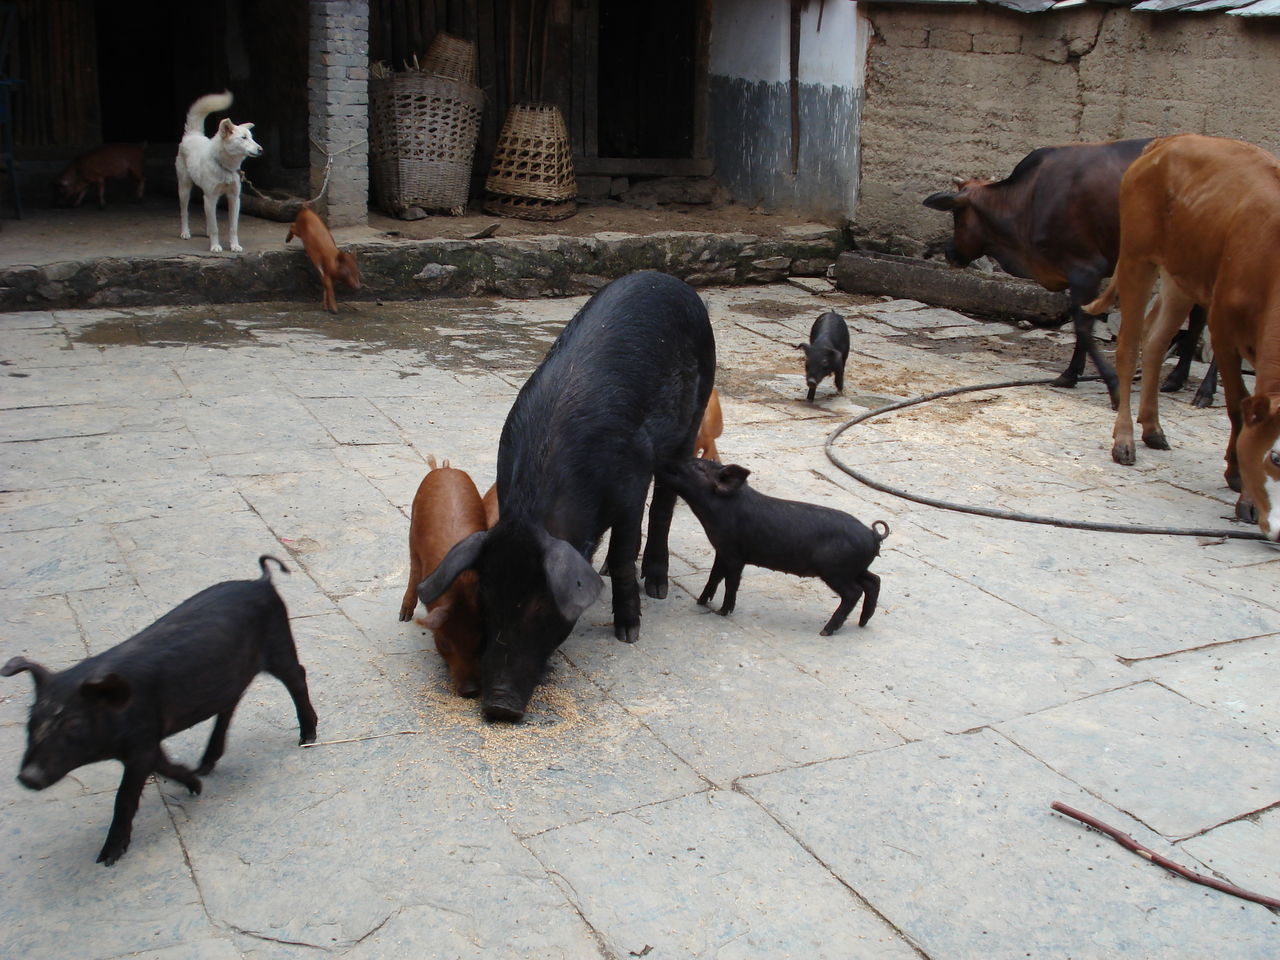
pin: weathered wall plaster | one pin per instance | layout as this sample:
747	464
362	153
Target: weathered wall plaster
750	105
969	92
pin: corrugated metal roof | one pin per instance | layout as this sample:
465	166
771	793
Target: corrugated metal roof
1236	8
1262	8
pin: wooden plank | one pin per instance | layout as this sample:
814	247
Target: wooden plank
702	80
590	145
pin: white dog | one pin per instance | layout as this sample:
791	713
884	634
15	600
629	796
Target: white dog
213	165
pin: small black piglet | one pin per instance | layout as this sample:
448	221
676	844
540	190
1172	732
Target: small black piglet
826	352
193	663
746	526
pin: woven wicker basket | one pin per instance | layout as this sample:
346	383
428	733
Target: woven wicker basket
532	172
422	135
449	56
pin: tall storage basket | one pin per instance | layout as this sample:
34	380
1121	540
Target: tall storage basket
422	135
532	172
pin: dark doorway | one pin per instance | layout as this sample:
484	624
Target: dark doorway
646	78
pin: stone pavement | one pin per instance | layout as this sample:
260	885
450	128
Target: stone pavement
726	787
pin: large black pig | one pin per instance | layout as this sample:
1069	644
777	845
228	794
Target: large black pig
193	663
621	390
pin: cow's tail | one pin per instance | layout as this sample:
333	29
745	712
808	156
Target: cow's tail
209	103
262	562
1105	301
875	532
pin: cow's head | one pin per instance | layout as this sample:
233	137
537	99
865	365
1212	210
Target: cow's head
1258	453
968	241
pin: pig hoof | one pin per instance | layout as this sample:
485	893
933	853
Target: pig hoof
111	853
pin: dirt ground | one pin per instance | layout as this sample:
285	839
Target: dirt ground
597	217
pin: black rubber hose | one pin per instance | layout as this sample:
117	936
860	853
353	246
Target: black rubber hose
1005	514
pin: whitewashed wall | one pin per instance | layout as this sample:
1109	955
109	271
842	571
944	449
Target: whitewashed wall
750	104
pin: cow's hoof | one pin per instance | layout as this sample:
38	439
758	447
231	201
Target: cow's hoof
1156	441
1233	481
1202	402
653	587
1122	453
1245	510
1067	380
626	634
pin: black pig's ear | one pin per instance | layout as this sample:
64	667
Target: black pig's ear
112	691
16	665
462	557
730	478
574	585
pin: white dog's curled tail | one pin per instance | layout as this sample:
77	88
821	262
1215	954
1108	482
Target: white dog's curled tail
209	103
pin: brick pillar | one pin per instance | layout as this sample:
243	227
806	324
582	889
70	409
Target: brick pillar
338	97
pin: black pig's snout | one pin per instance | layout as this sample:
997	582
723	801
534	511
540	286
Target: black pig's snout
503	712
33	777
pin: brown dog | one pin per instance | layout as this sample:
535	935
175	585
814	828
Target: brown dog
332	263
108	162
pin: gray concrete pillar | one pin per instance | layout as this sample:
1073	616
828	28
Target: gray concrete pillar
338	87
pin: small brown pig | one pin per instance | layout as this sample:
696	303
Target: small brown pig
446	509
491	510
332	263
108	162
712	426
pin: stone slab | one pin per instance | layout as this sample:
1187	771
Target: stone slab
736	900
1117	745
953	842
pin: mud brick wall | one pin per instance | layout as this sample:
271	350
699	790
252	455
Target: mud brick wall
970	91
339	95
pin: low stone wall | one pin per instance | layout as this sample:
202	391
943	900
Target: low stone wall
403	270
970	90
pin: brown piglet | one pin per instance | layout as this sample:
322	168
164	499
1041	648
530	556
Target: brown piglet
332	263
108	162
491	506
447	509
712	426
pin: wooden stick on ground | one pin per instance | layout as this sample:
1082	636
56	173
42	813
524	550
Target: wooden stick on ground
1129	843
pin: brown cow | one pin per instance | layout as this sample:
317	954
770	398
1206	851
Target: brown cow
447	509
1204	214
1055	220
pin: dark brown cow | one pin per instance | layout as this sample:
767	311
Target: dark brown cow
1055	220
1204	214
